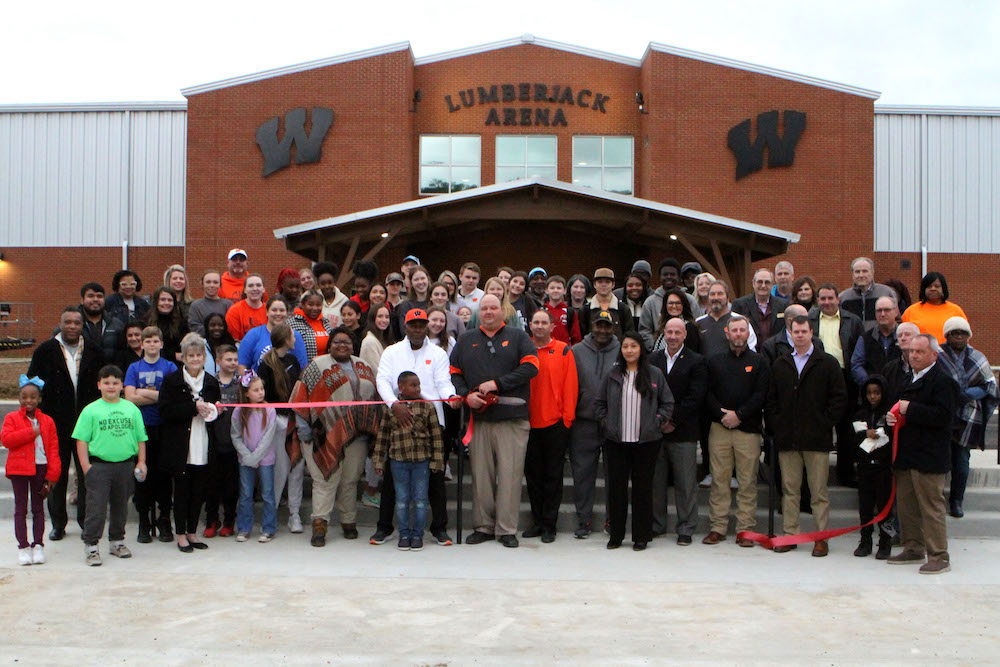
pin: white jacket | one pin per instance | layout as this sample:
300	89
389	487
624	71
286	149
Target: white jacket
431	365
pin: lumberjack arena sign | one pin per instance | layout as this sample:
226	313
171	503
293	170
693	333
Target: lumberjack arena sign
556	96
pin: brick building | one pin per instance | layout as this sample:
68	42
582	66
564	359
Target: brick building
675	141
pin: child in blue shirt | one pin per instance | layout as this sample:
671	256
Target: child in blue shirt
142	387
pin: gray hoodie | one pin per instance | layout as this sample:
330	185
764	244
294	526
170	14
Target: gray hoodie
592	365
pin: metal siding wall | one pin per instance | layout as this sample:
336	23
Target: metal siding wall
65	178
962	182
897	182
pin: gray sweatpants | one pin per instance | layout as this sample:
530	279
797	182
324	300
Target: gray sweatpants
585	443
107	483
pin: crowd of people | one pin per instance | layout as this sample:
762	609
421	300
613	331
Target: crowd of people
195	408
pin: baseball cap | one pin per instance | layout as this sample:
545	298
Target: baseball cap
535	270
604	273
691	266
237	251
394	277
411	258
415	314
602	316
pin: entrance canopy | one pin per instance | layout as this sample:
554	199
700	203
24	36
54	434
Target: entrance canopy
723	246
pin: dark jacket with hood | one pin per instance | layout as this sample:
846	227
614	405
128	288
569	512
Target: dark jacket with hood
592	365
874	417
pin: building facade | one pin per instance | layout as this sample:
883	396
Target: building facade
723	139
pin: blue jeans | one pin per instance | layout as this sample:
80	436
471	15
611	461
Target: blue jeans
244	511
411	481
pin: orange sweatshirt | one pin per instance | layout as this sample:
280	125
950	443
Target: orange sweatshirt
241	318
554	390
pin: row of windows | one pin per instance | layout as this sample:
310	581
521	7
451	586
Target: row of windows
452	164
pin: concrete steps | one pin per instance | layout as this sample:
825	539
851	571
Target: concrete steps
982	510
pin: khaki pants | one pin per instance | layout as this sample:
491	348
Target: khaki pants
497	457
817	467
729	448
342	487
921	513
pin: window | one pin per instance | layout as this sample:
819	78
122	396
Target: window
603	163
525	157
448	164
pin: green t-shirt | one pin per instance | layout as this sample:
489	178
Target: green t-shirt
112	431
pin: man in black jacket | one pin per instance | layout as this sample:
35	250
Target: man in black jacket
737	387
839	330
924	458
805	399
100	329
68	365
687	377
765	311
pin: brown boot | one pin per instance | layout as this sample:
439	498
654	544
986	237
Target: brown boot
319	533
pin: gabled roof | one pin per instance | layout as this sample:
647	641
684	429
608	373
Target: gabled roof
761	69
476	193
537	41
300	67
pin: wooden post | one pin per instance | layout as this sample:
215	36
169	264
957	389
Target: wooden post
346	273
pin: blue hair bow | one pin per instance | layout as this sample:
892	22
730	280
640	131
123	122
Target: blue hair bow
24	380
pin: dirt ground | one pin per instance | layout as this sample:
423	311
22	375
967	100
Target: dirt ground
10	371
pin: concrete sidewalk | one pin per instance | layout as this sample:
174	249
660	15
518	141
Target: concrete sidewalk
570	601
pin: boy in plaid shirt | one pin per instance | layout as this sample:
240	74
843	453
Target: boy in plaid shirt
412	453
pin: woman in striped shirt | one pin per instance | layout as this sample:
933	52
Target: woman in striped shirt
634	407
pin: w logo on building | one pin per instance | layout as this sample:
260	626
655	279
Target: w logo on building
308	147
780	149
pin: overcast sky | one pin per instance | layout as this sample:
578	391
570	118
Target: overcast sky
914	52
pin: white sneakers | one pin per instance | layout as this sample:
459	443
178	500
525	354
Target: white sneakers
266	537
294	523
31	555
242	537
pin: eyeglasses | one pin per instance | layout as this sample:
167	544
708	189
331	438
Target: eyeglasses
127	283
341	342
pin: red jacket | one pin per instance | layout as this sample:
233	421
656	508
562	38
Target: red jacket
567	324
554	390
18	436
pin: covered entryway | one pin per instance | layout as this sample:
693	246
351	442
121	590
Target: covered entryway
538	222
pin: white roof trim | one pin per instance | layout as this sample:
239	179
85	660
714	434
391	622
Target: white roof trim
300	67
761	69
93	106
936	110
443	200
528	39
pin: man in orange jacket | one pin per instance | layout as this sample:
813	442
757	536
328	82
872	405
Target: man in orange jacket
552	408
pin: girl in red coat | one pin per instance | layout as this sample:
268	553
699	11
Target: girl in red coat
32	466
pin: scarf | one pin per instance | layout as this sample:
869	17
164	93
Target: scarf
971	369
198	444
333	427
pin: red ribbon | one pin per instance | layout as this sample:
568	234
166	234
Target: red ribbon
815	536
466	439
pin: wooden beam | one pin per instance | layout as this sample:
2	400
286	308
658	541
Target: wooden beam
721	262
706	265
377	248
346	273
